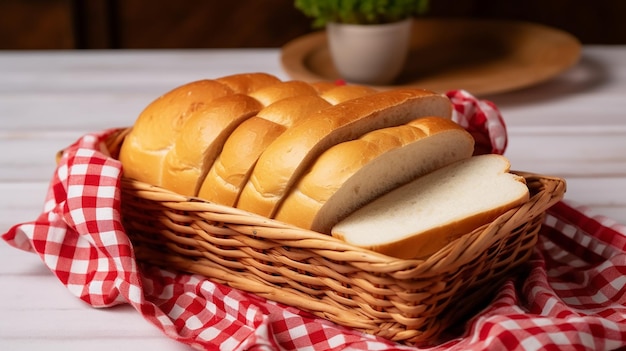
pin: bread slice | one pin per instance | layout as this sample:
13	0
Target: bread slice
230	171
200	141
353	173
157	126
421	217
285	159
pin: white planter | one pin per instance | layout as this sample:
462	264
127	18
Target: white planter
369	54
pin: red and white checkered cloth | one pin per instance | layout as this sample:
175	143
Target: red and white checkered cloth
572	297
482	119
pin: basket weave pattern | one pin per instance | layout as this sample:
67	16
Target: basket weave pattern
408	301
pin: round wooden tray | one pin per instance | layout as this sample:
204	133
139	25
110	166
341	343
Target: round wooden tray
480	56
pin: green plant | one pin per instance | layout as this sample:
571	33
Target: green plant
360	11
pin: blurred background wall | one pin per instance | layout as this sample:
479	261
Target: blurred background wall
158	24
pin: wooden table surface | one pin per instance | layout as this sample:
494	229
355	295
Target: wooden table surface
572	126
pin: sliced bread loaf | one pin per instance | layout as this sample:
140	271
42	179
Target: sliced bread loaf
421	217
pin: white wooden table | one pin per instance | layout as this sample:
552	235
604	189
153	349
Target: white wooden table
572	126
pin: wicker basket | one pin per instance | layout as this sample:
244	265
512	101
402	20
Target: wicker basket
408	301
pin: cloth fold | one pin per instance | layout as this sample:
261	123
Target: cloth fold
571	297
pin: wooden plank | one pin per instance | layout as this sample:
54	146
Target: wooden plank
36	25
95	24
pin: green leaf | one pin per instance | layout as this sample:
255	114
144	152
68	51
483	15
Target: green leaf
360	11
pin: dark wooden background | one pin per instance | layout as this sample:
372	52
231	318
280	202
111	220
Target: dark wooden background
147	24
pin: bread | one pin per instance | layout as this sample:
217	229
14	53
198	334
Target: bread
232	169
282	90
156	128
247	83
352	173
342	93
284	160
200	142
323	86
241	150
421	217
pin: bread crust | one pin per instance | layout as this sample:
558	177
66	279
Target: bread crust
246	83
282	90
232	168
201	139
339	94
157	126
241	150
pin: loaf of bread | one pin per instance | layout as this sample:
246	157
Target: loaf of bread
419	218
318	154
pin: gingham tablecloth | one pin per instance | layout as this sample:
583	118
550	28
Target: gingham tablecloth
572	297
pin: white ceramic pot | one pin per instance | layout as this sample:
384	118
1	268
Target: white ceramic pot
369	54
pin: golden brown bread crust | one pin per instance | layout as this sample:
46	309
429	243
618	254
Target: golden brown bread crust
247	83
282	163
200	142
155	129
342	93
292	110
232	167
231	170
323	86
241	150
282	90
